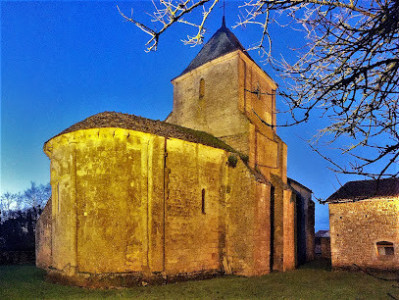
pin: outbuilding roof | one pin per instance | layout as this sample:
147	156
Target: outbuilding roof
120	120
366	189
221	43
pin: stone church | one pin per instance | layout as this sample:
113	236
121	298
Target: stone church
203	193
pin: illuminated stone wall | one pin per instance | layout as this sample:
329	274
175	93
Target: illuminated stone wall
355	229
194	234
217	111
232	110
128	202
63	222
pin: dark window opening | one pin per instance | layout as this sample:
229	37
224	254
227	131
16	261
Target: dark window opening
385	248
258	91
271	227
203	201
202	89
300	230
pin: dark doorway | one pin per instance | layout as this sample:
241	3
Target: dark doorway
300	230
271	227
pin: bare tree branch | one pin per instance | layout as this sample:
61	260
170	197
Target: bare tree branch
348	71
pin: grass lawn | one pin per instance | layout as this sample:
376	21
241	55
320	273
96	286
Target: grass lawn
312	281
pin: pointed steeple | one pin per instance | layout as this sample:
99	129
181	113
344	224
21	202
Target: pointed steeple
224	14
221	43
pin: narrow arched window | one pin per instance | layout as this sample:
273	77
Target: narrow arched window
202	89
258	91
58	197
385	248
203	201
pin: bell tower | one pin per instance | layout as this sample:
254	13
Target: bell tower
225	93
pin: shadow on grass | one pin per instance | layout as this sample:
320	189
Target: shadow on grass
311	281
318	264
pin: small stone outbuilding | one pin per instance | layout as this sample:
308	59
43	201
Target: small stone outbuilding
364	225
323	244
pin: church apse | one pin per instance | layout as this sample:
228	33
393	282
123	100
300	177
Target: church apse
130	205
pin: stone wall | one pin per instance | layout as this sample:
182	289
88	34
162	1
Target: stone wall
217	111
239	107
260	106
310	233
194	232
63	219
103	191
309	217
355	229
247	206
129	202
43	237
289	255
325	247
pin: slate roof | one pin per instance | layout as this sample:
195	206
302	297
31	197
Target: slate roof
127	121
221	43
366	189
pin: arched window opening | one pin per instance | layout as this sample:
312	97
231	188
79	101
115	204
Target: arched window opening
203	201
258	91
385	248
202	89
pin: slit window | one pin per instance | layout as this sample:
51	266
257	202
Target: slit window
385	248
58	196
203	201
258	91
202	89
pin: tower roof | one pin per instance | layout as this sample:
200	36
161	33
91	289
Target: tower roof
221	43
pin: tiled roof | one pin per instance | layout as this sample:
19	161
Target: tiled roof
221	43
366	189
127	121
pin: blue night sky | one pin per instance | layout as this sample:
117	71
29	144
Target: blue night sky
62	62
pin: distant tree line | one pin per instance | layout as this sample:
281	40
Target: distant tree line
19	213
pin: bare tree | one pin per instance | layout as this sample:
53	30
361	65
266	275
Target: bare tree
7	201
348	69
36	196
